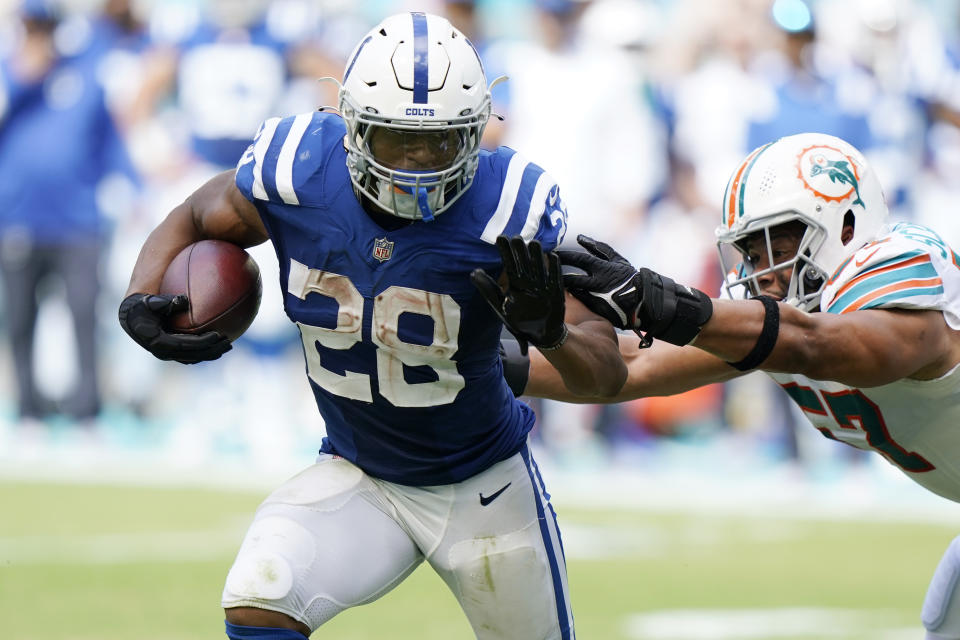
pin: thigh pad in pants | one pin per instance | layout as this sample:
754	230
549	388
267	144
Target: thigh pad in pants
322	542
501	557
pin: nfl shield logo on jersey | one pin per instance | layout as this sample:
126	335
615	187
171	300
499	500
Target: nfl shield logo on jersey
382	249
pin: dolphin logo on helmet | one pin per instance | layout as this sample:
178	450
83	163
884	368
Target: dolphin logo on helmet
815	179
841	170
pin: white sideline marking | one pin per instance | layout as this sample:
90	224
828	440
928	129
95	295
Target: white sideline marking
748	624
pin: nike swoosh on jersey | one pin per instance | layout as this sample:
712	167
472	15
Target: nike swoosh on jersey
484	501
860	263
905	276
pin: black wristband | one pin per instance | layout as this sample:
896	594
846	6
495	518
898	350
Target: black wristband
767	339
556	345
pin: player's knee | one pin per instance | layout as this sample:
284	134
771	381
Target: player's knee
941	607
275	550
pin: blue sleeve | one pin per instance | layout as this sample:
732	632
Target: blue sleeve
553	220
286	153
250	168
529	202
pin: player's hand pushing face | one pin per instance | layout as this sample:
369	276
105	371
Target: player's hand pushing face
532	306
142	316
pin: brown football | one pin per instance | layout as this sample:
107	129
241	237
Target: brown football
222	284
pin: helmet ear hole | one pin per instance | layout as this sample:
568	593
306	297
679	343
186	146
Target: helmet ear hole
849	221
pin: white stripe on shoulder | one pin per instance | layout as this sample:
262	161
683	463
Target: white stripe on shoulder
538	204
259	152
508	197
288	154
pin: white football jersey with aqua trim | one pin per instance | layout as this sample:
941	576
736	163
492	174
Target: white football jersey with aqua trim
914	424
911	267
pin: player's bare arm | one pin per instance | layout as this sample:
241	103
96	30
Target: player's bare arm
217	210
864	348
889	345
662	369
588	362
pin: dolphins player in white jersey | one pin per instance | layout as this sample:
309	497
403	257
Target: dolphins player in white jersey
383	218
857	321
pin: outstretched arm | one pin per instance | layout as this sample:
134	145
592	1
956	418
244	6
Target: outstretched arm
860	349
662	369
864	348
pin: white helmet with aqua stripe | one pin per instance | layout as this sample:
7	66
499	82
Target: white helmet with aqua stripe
415	102
815	179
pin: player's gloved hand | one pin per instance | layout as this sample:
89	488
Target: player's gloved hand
142	316
533	306
650	304
516	365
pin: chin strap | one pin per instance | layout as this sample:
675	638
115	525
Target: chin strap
424	205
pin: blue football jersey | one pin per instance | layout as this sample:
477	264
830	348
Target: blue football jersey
401	350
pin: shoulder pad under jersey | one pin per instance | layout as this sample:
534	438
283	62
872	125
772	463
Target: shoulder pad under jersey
906	268
287	154
528	200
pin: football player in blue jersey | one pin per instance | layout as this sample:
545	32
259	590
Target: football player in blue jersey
858	321
386	219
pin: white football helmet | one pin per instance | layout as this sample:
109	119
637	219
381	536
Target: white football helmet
814	178
415	102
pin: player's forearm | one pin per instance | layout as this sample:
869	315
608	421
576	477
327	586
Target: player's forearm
589	362
664	369
866	348
217	210
733	329
162	245
793	341
660	370
546	382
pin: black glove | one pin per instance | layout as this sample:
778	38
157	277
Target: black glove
142	316
516	365
652	305
532	307
609	288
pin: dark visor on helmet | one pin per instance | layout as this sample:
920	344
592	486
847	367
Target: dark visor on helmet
414	150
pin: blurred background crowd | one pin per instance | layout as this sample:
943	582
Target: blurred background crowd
112	111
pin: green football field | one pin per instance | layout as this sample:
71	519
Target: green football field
81	562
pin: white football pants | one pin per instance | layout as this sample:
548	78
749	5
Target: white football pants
333	537
941	607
